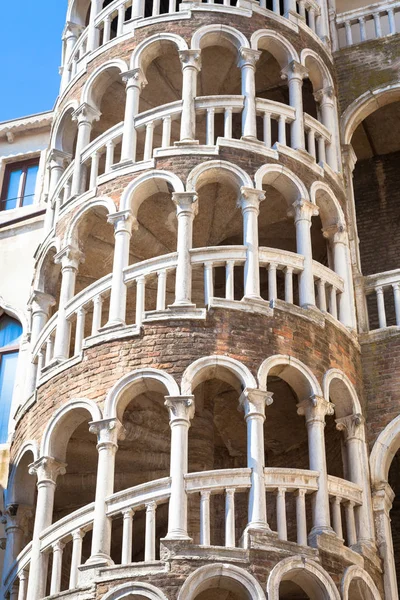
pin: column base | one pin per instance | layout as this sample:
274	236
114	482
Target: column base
97	561
112	325
254	535
251	138
316	532
125	162
178	536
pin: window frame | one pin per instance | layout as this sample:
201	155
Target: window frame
9	168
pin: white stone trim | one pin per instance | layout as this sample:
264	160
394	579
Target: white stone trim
235	37
70	237
327	80
282	179
235	173
135	589
233	372
304	390
87	91
384	450
148	177
137	59
276	39
353	573
210	575
333	374
304	567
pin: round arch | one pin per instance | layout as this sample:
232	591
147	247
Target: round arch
276	44
151	47
383	451
330	211
205	171
319	74
291	370
131	591
63	424
17	484
225	368
357	573
218	35
283	180
151	182
102	201
337	383
57	140
77	11
307	573
365	105
140	380
235	578
88	96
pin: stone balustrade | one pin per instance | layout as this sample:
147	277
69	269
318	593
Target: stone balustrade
280	484
86	315
367	23
386	289
318	139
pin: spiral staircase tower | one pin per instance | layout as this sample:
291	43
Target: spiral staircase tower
192	425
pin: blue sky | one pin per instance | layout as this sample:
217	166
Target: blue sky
30	54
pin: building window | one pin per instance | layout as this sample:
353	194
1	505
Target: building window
19	184
10	334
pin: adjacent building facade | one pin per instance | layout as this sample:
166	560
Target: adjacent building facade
200	307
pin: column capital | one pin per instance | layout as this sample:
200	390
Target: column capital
325	95
69	257
336	232
16	516
382	498
315	409
186	202
58	546
71	30
254	401
123	220
294	70
47	469
190	59
58	158
108	432
303	210
134	78
248	57
85	113
349	156
181	408
250	198
352	427
41	302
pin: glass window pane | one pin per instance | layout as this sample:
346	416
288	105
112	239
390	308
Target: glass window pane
10	331
12	190
31	175
8	367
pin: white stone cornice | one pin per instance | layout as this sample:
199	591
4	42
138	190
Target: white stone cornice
134	78
315	408
352	427
47	469
190	58
248	57
70	256
254	401
303	210
181	408
108	431
85	113
294	70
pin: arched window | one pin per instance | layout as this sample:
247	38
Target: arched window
10	333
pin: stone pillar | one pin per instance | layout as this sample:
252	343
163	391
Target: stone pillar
253	403
247	64
47	470
15	520
40	304
69	258
187	207
135	82
56	163
295	73
383	497
93	33
358	468
70	37
181	412
326	100
108	432
314	409
250	204
342	266
85	116
191	65
303	211
122	222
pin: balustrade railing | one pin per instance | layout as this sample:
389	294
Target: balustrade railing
368	23
318	138
100	155
383	295
275	112
329	286
345	498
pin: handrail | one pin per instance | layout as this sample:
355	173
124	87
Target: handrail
159	112
363	11
151	265
282	258
275	108
327	275
85	296
219	103
137	496
102	140
63	529
46	332
217	481
319	128
218	254
18	565
291	479
385	279
347	490
63	180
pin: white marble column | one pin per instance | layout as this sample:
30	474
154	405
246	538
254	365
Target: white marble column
303	211
135	81
70	37
56	164
326	100
186	210
85	116
108	432
353	430
123	222
247	64
342	266
47	470
15	520
93	32
382	497
295	73
253	403
40	304
191	65
249	202
69	258
181	412
314	409
23	585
